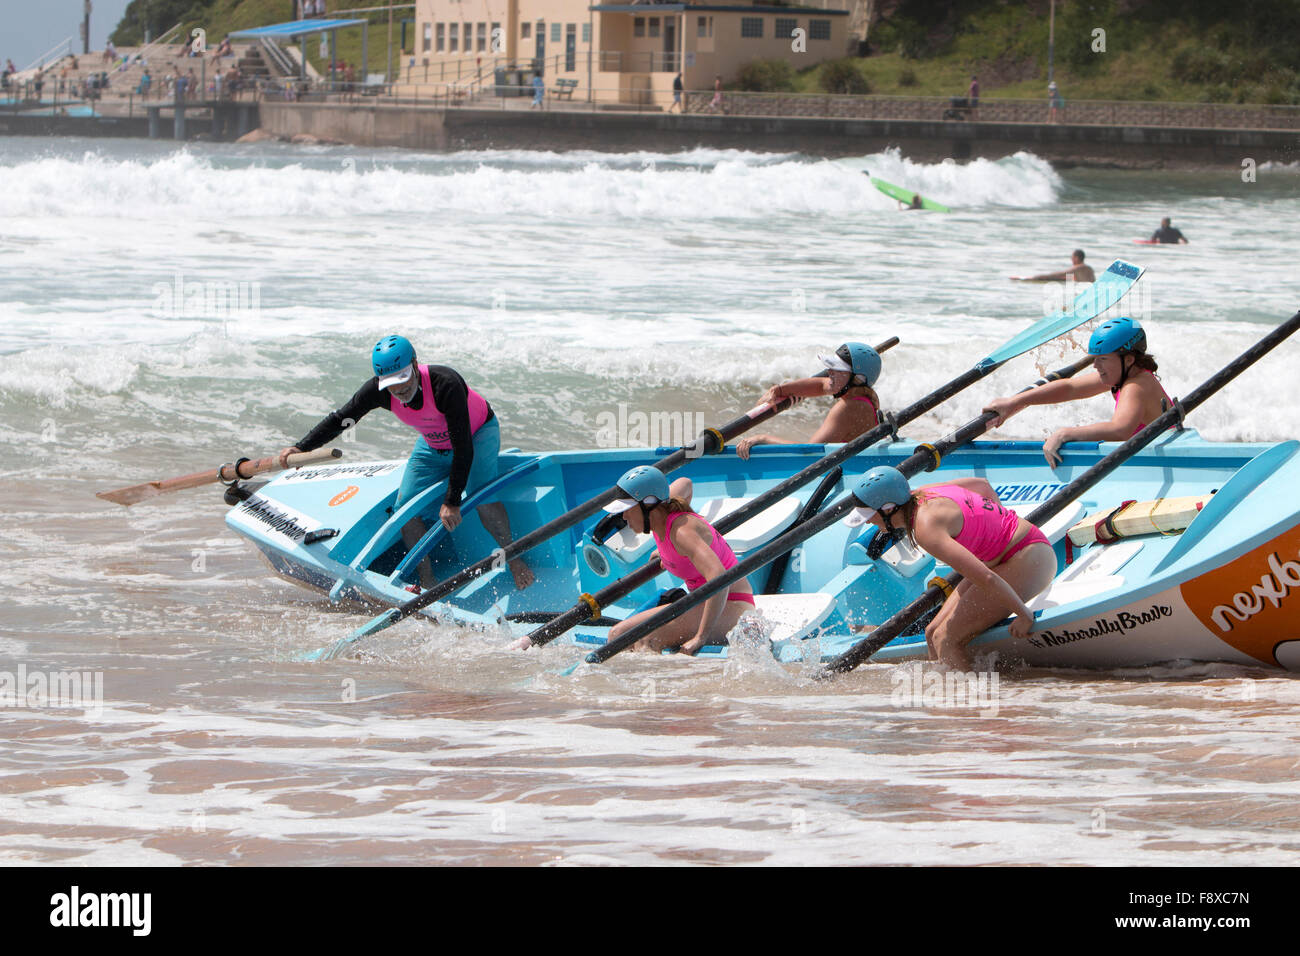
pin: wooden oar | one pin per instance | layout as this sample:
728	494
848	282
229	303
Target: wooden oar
711	442
925	458
895	626
244	468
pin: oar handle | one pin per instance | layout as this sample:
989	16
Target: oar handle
243	468
889	630
247	468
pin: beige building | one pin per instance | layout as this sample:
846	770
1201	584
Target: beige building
616	52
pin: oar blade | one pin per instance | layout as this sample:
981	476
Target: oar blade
1111	286
376	624
131	495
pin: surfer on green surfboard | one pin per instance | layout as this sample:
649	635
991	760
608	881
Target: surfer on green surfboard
905	197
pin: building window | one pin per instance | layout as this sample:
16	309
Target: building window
428	33
819	29
785	26
453	37
654	26
555	32
442	37
469	37
498	39
527	31
586	33
751	27
482	38
704	27
638	26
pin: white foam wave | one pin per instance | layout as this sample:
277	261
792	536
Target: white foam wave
697	184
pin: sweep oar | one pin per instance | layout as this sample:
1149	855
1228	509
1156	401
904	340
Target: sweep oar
1104	293
710	442
925	458
889	630
244	468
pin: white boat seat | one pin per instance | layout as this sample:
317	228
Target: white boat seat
792	617
1096	572
758	530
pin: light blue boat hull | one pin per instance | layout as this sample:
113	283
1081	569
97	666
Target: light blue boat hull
1221	591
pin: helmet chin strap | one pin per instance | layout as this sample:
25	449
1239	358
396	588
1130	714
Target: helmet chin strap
1124	369
847	385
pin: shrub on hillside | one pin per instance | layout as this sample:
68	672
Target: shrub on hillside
900	35
907	77
842	76
766	76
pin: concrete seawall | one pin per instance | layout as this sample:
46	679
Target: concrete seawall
434	128
469	128
361	125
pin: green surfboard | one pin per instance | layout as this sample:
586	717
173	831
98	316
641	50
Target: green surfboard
906	195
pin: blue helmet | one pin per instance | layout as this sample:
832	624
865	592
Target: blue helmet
862	362
392	359
644	485
882	487
1118	335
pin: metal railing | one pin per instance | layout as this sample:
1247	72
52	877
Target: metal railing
48	55
278	59
956	109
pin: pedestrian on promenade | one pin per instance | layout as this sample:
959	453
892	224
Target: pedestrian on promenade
1055	101
539	90
973	96
677	94
716	104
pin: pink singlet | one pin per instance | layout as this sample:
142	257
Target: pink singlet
683	567
430	422
987	527
1142	425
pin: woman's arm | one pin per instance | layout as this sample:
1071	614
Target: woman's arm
1084	385
692	542
1122	425
798	388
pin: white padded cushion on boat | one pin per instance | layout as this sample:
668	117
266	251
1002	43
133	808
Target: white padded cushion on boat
628	544
1095	573
793	616
758	530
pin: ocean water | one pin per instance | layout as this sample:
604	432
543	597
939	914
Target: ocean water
163	310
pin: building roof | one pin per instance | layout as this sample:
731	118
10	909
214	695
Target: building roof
295	27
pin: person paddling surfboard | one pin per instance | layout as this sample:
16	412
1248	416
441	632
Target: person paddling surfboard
1078	271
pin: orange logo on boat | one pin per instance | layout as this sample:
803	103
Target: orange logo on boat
1252	603
344	495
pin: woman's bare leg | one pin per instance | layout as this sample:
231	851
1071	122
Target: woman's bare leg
971	610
